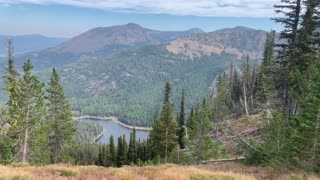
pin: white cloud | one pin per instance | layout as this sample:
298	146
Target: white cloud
240	8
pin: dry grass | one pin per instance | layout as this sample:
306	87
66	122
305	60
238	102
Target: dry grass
227	171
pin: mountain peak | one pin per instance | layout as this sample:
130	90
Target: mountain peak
195	30
133	25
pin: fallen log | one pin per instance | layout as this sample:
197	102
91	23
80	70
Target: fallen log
222	160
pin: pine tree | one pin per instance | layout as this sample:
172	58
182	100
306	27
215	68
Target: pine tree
107	159
291	9
303	144
29	110
60	118
182	126
130	150
264	85
120	153
112	150
134	145
12	88
220	106
100	157
201	144
189	122
125	149
163	135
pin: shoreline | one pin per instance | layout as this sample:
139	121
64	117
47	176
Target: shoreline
98	137
115	119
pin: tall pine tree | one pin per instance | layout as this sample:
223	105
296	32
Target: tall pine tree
60	118
163	135
182	127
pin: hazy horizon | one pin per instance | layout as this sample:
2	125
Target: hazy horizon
66	19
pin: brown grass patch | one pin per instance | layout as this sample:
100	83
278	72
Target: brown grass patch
218	171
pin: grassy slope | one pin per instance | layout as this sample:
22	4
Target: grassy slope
168	171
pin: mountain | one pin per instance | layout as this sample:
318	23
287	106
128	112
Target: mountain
103	41
239	41
29	43
129	84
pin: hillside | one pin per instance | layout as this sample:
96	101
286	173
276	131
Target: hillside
129	84
29	43
102	41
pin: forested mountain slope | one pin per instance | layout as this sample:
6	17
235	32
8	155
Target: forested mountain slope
102	41
129	84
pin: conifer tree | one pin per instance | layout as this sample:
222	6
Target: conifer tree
107	159
264	87
189	122
201	144
134	145
60	118
182	126
304	143
125	149
112	150
100	157
120	153
130	150
220	106
163	135
291	9
29	109
12	88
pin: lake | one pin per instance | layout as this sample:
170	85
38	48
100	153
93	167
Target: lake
113	128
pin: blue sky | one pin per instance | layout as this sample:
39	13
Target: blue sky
67	18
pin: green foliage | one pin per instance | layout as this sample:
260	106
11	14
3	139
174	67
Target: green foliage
120	152
60	118
182	127
163	135
220	106
112	150
130	84
304	138
157	160
201	144
6	151
67	173
86	131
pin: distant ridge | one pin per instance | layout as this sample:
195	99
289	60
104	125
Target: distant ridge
29	43
102	41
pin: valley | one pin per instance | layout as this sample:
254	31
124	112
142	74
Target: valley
128	82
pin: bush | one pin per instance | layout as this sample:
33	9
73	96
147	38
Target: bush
67	173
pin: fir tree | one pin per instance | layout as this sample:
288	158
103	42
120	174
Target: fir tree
12	88
60	117
163	135
201	144
125	149
220	106
112	150
130	150
303	145
288	54
264	87
182	126
120	153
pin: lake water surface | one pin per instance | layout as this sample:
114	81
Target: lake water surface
113	128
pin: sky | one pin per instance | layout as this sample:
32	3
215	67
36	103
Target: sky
68	18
